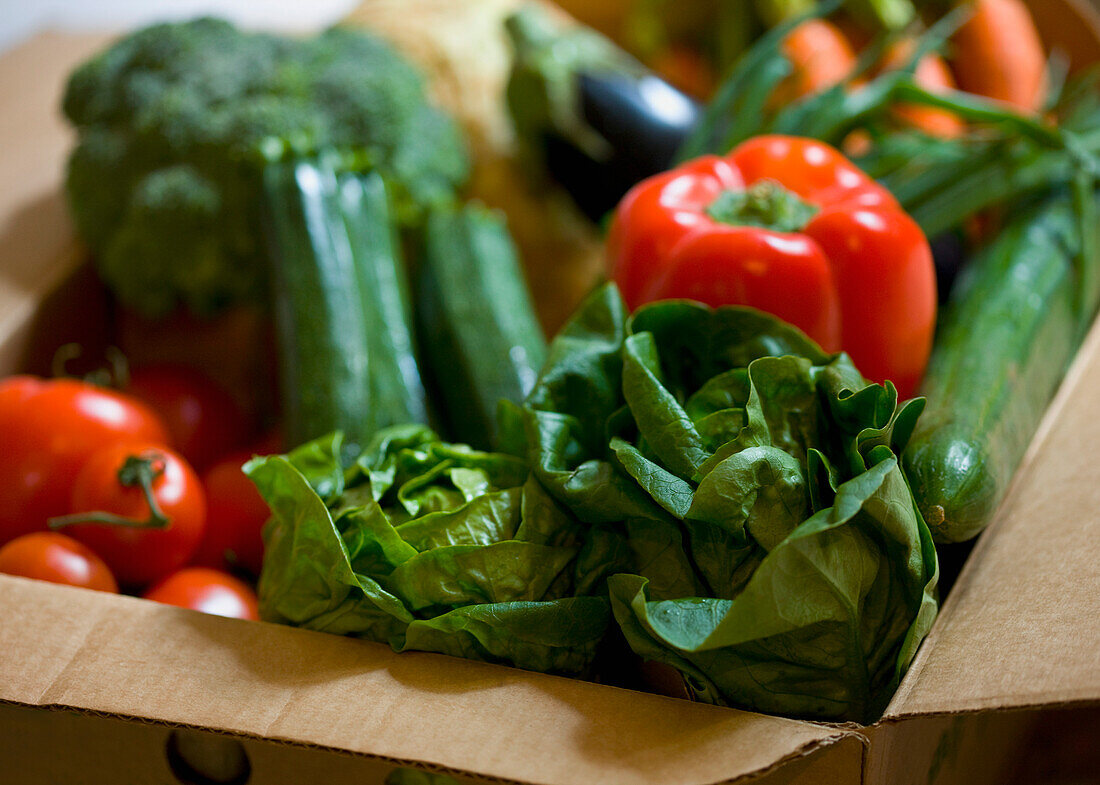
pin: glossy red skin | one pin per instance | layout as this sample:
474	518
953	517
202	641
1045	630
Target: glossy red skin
54	557
139	556
50	428
858	277
235	517
738	264
203	419
209	591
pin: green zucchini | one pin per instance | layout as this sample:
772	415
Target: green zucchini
1006	338
340	304
476	322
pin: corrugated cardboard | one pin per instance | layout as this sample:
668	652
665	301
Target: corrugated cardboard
125	657
1029	595
99	688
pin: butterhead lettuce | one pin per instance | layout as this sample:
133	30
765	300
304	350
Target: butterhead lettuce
429	546
778	560
710	478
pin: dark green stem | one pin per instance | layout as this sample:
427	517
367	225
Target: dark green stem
137	471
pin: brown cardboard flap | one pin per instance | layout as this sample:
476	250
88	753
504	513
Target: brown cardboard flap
962	749
106	751
1022	626
128	657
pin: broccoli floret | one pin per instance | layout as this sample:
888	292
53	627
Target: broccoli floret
177	120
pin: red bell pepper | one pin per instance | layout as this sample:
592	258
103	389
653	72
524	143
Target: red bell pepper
789	226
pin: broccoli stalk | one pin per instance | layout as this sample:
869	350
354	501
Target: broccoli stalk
176	122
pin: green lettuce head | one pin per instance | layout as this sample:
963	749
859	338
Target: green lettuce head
779	561
429	546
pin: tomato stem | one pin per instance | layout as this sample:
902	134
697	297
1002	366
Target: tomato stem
115	374
137	471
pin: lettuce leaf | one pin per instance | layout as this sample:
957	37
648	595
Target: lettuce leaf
777	559
431	546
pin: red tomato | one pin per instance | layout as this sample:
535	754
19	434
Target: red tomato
50	428
203	419
139	554
209	591
53	557
235	515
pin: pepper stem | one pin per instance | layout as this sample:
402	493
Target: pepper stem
137	471
765	204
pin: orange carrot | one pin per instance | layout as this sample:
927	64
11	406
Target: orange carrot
820	56
932	74
998	54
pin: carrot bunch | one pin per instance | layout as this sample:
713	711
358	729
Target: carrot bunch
996	53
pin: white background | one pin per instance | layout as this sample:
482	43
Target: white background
22	18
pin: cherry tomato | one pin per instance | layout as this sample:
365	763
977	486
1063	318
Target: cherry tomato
203	419
209	591
50	428
53	557
110	483
235	515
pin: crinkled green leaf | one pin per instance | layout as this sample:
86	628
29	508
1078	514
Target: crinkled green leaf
661	421
778	560
668	490
724	391
307	577
434	546
319	463
489	518
724	561
661	556
543	521
580	379
840	605
560	636
785	403
759	488
604	553
592	488
379	458
374	546
822	480
697	343
458	575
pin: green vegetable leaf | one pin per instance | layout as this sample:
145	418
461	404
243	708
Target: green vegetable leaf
840	604
773	551
761	489
319	463
307	578
560	636
459	575
661	420
668	490
433	546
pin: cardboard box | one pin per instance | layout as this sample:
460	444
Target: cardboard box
100	688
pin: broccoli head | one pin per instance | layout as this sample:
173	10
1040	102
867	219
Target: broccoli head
177	120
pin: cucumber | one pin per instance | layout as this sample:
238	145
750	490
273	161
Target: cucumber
1006	338
476	322
340	304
